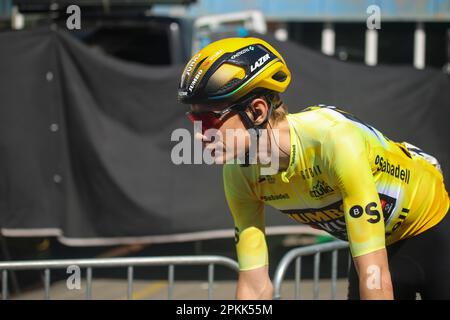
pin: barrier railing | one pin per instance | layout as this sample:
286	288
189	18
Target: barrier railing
297	254
129	263
171	262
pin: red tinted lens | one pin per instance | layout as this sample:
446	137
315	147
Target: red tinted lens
208	119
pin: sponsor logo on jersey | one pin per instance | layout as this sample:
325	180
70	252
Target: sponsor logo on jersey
402	216
310	173
260	62
274	197
331	218
313	215
294	150
394	170
387	205
320	189
269	179
370	209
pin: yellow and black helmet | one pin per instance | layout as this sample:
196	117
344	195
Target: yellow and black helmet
231	69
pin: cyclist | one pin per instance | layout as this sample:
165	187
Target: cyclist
336	173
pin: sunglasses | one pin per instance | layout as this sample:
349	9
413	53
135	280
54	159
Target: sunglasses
212	119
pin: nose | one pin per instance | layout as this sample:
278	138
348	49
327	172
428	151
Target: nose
209	138
201	137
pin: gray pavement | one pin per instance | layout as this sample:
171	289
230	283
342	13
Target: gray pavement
196	290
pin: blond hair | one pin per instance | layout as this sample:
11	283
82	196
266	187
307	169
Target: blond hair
279	111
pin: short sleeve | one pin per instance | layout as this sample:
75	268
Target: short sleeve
248	215
346	157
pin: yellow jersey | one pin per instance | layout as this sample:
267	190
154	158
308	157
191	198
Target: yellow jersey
344	177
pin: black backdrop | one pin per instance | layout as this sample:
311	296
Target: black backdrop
85	138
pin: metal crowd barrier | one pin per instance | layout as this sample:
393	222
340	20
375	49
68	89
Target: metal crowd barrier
297	254
130	263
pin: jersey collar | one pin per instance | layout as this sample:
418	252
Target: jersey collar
294	153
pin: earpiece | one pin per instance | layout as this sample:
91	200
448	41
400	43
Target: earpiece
254	113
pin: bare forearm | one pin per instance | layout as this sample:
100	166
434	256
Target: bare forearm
374	276
383	293
246	291
375	283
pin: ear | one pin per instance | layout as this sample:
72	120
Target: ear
259	110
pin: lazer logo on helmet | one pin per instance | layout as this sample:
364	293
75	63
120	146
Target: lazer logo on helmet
192	85
260	62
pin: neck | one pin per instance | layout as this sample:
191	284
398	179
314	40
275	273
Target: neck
284	143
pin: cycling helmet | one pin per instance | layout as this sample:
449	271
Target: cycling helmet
232	69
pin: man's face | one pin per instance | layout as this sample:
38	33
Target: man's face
221	132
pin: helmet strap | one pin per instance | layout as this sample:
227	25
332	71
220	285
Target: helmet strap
249	124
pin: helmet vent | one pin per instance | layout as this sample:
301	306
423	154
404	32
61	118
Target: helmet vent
279	76
229	85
